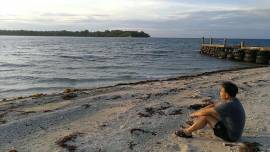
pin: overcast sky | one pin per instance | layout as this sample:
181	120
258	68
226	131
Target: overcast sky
160	18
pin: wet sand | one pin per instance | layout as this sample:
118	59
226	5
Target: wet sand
134	117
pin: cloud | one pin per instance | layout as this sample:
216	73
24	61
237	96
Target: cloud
238	23
59	14
161	18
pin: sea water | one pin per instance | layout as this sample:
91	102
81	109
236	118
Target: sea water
31	65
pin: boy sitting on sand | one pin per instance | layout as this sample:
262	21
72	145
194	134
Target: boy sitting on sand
227	118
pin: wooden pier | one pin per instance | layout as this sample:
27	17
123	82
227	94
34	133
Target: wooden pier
253	54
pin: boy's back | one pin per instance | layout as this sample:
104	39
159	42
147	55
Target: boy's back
232	115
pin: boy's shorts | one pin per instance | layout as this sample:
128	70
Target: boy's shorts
221	131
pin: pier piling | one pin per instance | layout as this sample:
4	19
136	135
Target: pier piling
253	54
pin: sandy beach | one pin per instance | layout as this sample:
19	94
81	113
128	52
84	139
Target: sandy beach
134	117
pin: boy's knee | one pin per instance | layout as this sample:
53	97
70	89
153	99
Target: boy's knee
206	117
211	121
203	117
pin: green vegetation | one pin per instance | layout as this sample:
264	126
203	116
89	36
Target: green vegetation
85	33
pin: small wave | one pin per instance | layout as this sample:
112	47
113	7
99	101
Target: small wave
83	57
71	57
129	77
16	65
161	51
19	78
23	47
32	89
72	68
149	54
71	80
7	70
111	67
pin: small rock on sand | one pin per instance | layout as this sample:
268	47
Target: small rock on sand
69	96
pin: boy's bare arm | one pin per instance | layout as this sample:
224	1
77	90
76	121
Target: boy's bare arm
209	106
206	112
215	103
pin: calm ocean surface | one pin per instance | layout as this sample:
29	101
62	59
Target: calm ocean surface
49	64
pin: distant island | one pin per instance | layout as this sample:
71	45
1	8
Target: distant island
85	33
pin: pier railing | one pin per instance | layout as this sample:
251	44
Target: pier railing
260	55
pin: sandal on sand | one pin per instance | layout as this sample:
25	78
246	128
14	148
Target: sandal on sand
181	133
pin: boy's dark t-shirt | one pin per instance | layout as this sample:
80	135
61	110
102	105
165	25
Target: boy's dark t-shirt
232	115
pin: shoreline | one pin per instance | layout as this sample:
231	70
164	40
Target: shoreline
137	82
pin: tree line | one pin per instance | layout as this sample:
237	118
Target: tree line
85	33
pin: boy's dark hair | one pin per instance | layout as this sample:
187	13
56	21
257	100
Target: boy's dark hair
230	88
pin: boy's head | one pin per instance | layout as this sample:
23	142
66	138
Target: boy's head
228	90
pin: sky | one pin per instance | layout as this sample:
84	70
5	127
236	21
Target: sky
159	18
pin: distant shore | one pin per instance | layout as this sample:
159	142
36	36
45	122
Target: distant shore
137	116
85	33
